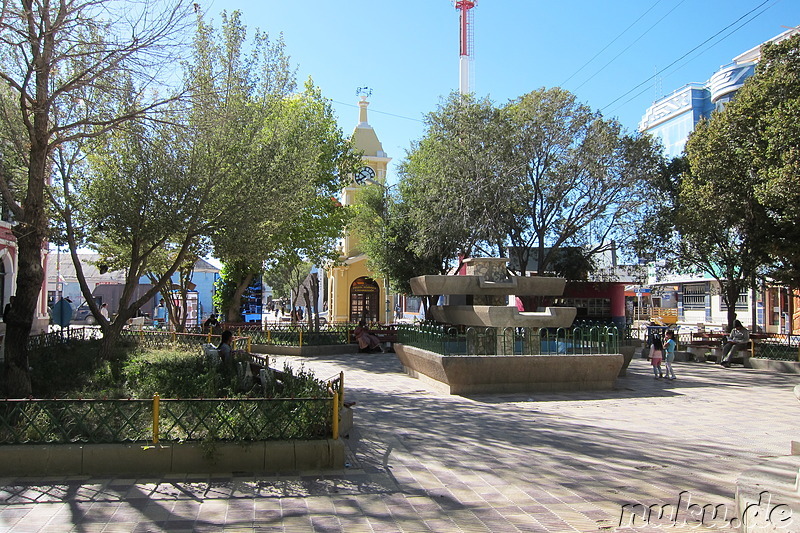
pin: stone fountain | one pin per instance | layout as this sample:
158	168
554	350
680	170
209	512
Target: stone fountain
485	290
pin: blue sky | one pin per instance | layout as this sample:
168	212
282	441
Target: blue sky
407	51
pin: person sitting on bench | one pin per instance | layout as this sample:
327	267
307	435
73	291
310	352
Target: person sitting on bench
739	336
366	340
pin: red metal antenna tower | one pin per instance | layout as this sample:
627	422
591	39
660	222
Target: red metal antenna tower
466	44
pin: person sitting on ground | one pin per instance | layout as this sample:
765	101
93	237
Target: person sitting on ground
225	349
366	339
738	337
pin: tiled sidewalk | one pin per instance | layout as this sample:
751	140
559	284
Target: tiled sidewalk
422	461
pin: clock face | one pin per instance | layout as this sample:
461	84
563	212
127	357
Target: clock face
364	174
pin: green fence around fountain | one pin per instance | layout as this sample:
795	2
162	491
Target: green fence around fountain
454	340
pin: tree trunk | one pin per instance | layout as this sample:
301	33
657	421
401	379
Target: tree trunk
732	295
234	313
30	231
29	284
315	298
111	335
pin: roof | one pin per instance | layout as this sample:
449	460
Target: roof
63	263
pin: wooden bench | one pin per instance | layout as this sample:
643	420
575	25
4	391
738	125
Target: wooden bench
386	334
699	348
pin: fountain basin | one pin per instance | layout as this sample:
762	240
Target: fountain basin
465	374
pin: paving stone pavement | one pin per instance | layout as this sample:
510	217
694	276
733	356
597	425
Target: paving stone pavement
421	461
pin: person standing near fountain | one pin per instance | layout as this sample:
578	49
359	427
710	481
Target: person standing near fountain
656	354
669	353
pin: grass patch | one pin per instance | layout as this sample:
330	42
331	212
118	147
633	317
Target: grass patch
76	370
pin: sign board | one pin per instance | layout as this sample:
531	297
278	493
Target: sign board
62	313
641	290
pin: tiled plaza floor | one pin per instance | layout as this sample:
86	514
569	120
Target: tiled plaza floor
422	461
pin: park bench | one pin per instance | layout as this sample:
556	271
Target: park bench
704	343
386	334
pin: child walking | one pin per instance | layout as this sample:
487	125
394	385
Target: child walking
656	354
669	354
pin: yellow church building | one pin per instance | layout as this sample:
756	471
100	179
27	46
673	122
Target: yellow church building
354	292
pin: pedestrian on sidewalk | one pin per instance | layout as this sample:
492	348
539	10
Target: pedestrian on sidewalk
656	355
669	353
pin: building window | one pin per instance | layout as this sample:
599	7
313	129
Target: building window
741	301
587	307
694	296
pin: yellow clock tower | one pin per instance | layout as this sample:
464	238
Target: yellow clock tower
354	291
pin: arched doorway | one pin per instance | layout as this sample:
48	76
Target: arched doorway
364	300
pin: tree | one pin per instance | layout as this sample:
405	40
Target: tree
739	202
541	172
719	219
61	60
142	208
385	231
764	125
281	146
454	185
578	177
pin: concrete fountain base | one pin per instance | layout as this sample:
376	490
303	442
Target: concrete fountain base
474	374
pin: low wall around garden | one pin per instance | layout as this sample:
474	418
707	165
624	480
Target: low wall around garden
274	457
475	374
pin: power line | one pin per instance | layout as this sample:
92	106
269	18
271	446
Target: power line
376	111
694	50
610	43
601	69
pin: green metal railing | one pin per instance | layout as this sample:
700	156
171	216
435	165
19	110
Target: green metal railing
65	421
244	335
57	338
780	347
301	335
452	340
245	419
34	421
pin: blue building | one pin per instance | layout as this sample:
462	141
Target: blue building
673	117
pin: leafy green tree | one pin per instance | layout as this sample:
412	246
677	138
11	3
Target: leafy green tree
454	184
280	149
60	61
736	211
578	178
145	212
385	231
539	173
764	130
